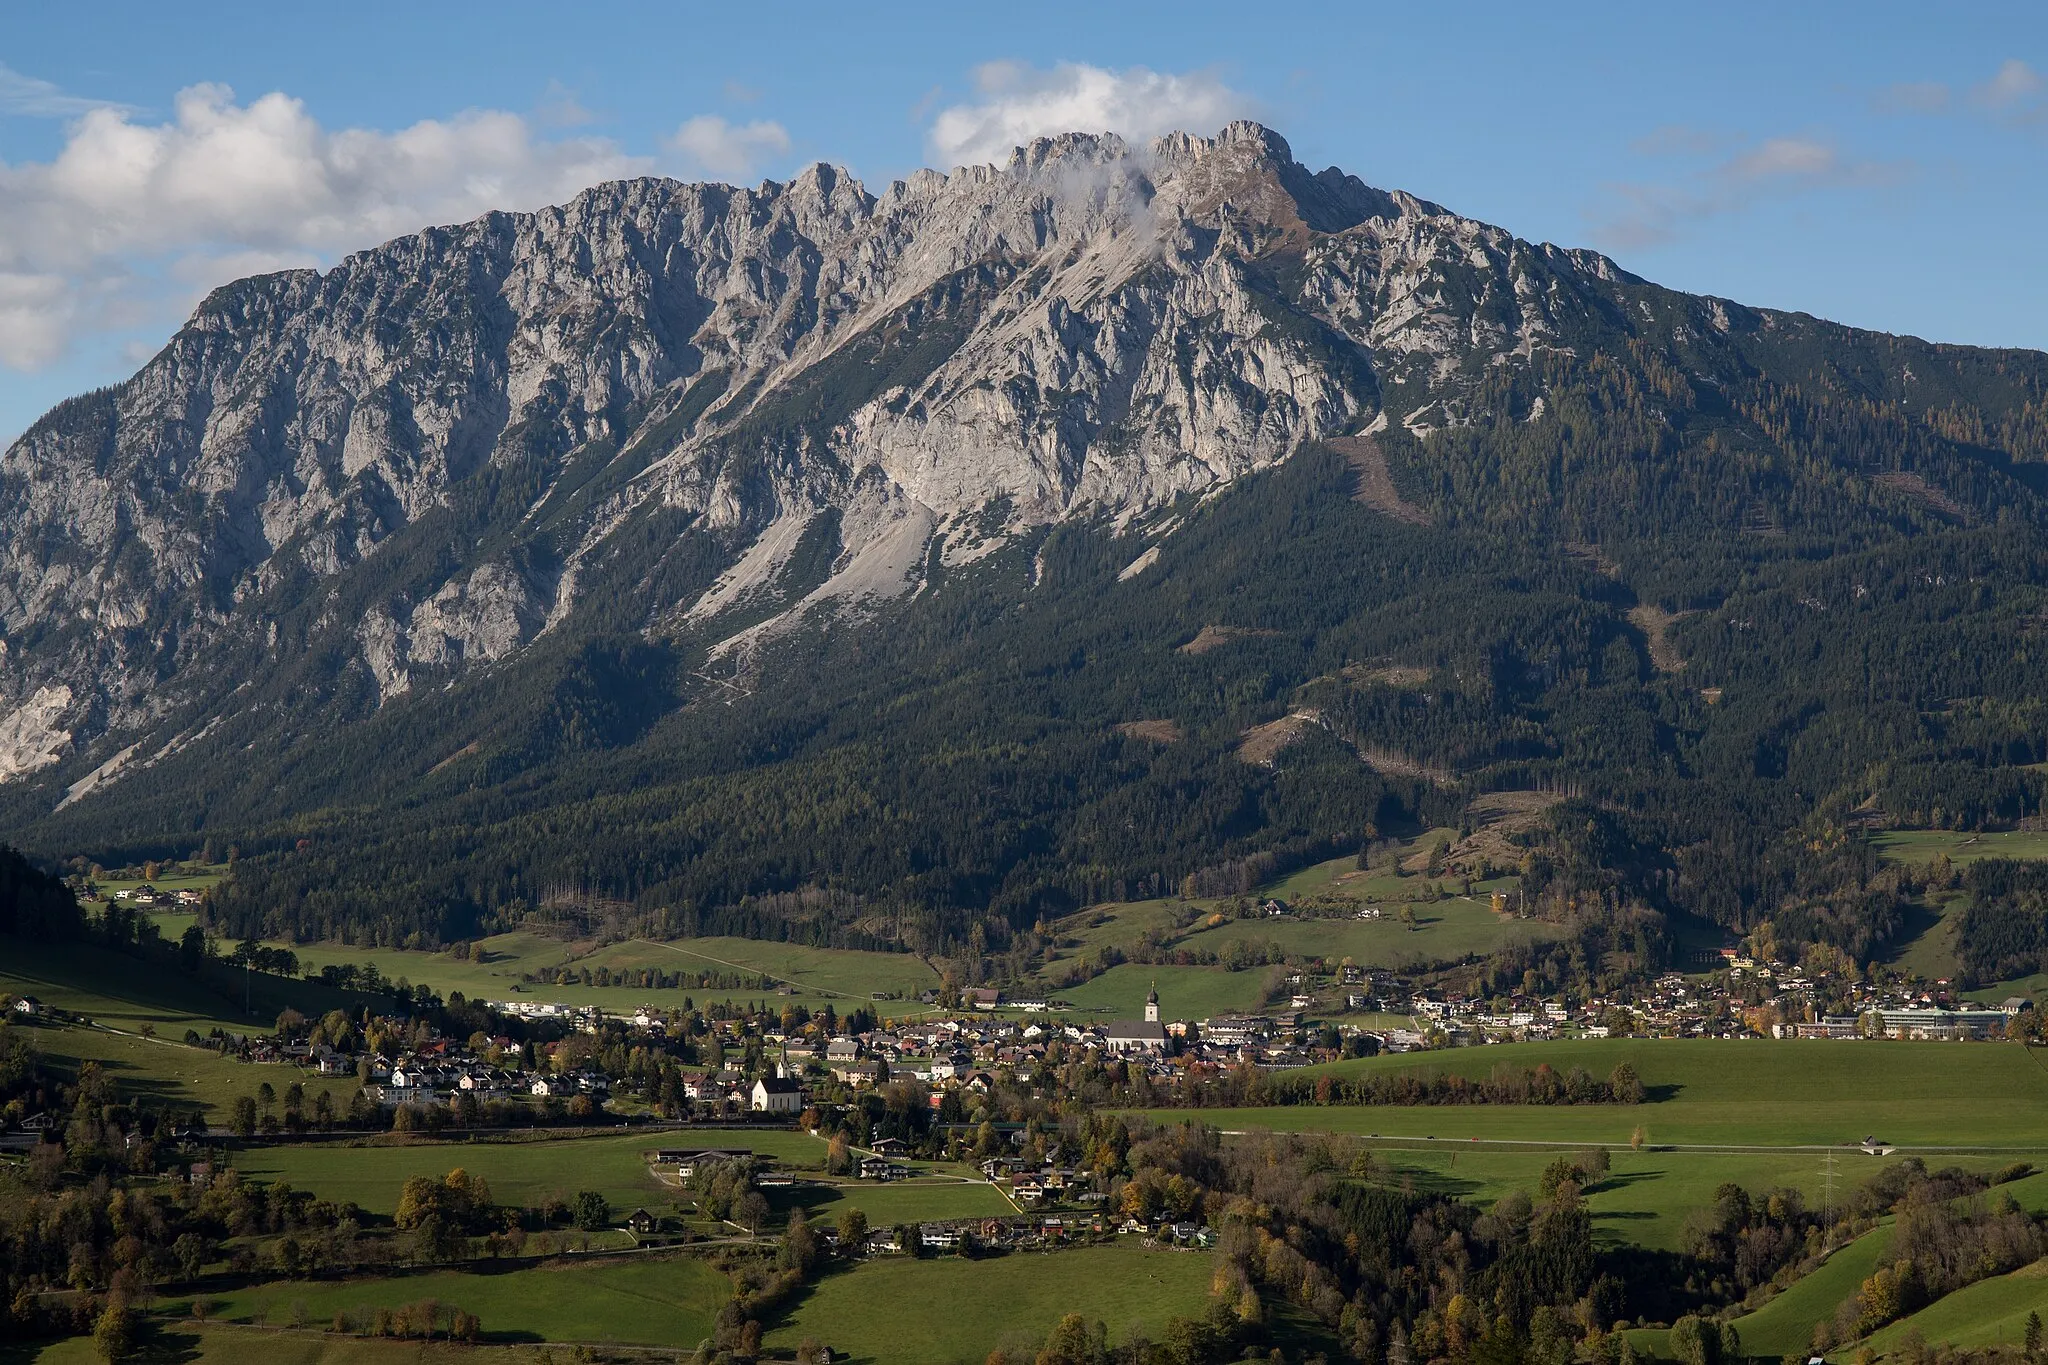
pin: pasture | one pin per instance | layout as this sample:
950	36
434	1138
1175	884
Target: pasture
637	1300
842	978
228	1345
1444	931
1921	845
128	993
1990	1312
902	1201
1756	1093
1785	1324
1184	992
171	1075
1645	1197
940	1312
519	1172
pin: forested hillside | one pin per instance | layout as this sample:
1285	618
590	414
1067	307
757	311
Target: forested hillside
1741	584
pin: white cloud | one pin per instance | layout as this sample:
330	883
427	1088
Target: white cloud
1017	103
2014	84
1648	213
1781	158
2013	94
727	150
37	98
559	108
133	219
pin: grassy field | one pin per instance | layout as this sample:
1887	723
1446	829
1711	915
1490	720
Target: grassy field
1714	1092
1785	1324
1990	1312
171	1074
1920	845
1184	992
671	1301
900	1202
518	1172
953	1311
126	992
1444	930
1342	879
842	978
227	1345
1645	1197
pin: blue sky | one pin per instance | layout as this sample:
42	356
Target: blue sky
1879	163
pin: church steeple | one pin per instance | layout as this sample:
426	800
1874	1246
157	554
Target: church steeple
1152	1005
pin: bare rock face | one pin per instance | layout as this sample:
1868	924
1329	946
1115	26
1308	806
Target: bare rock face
1089	330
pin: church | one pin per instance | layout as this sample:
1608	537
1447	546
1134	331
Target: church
1127	1035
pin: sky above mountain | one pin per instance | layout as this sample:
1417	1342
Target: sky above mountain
1882	164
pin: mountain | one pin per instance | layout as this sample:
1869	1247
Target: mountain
904	567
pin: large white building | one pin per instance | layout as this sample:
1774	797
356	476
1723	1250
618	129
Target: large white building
774	1095
1129	1035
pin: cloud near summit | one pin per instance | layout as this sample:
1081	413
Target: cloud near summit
134	218
1015	103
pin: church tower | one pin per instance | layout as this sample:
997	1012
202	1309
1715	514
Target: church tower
1152	1005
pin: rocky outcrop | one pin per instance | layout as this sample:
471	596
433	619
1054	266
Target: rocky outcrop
444	444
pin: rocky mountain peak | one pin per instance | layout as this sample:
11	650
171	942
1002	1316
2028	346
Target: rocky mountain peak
440	448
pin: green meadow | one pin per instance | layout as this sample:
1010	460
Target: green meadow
639	1300
128	993
1990	1312
903	1201
1785	1324
168	1074
941	1312
1716	1092
1444	930
519	1172
218	1344
1184	992
842	978
1645	1197
1921	845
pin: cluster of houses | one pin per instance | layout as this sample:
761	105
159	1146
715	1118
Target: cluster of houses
147	897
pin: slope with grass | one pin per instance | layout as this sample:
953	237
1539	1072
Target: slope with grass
519	1172
913	1201
494	969
1184	992
128	993
1785	1324
941	1312
1443	931
670	1301
1990	1312
171	1075
1645	1197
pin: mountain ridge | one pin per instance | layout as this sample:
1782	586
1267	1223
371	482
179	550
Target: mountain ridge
666	487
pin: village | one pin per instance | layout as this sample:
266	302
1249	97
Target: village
785	1061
